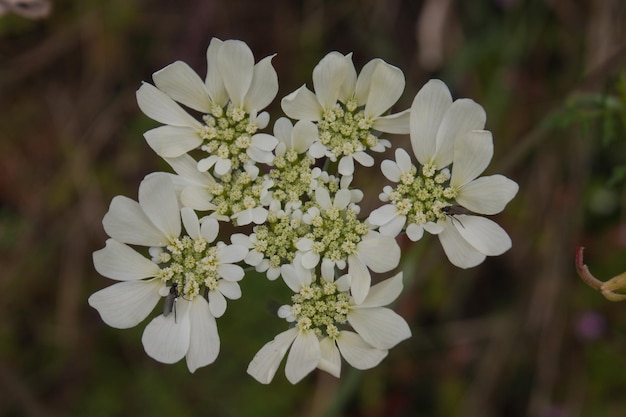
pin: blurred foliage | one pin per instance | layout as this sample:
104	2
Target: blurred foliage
519	335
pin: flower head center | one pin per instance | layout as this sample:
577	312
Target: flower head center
344	129
321	308
190	264
227	132
422	196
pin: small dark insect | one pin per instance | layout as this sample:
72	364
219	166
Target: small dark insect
170	301
450	211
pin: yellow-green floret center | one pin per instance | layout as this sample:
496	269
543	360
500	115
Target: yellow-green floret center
422	197
189	263
321	308
235	192
227	133
277	239
344	129
336	233
292	176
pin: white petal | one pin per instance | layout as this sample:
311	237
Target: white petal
484	235
232	253
172	141
204	342
364	81
463	116
121	262
383	215
264	85
363	158
126	304
160	107
328	270
328	75
390	170
383	293
310	260
380	254
357	353
472	154
342	199
427	111
217	303
265	363
393	227
190	221
282	130
346	165
222	166
302	104
230	290
126	222
398	123
386	88
181	83
197	198
303	135
303	357
230	272
187	168
158	200
380	327
331	359
361	278
209	228
214	82
323	198
460	252
414	232
264	142
236	64
166	339
291	277
487	195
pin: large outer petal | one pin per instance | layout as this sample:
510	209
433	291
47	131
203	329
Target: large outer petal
328	76
384	293
158	200
484	235
459	251
302	104
172	141
427	111
181	83
213	81
361	278
265	363
487	195
398	123
472	154
127	223
121	262
167	339
303	357
331	358
386	88
236	64
204	342
358	353
379	326
463	116
264	86
126	304
160	107
380	253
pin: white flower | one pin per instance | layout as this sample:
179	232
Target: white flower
338	238
348	109
155	222
361	333
442	195
232	95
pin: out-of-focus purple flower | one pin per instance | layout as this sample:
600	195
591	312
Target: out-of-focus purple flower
589	325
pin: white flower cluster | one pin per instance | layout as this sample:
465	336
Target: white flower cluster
289	196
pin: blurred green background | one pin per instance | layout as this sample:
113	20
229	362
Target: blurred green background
520	335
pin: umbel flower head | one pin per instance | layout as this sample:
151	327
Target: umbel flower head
348	110
329	325
443	195
230	98
186	267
